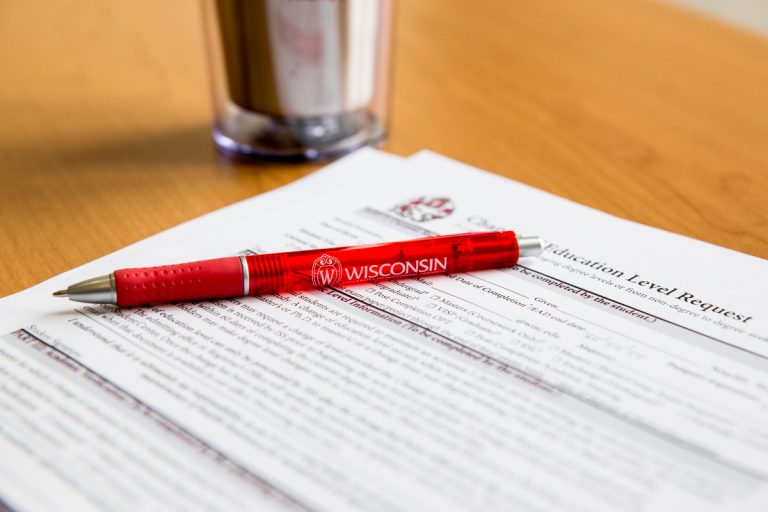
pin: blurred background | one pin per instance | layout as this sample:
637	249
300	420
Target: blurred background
652	111
748	14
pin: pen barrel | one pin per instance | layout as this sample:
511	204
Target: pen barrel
319	268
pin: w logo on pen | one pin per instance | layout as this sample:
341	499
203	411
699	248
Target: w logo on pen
326	271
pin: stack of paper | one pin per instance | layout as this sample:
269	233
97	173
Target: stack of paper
626	369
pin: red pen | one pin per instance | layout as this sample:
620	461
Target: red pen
259	274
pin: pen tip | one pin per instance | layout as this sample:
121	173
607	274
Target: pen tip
61	293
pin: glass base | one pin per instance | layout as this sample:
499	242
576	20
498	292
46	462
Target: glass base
249	136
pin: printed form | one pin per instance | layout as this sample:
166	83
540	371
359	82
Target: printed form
625	369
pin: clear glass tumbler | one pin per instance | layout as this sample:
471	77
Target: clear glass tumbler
298	79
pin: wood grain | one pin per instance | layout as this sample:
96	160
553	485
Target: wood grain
632	107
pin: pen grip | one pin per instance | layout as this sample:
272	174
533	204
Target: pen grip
209	279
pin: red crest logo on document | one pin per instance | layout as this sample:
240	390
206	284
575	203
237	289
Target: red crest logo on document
326	271
425	208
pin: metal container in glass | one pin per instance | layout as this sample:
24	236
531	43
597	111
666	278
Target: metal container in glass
298	79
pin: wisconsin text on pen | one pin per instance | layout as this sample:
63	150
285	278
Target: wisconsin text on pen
303	270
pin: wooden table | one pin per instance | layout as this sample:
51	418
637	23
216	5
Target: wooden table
632	107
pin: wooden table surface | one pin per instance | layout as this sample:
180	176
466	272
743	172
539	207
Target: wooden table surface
635	108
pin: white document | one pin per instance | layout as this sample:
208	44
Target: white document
626	369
